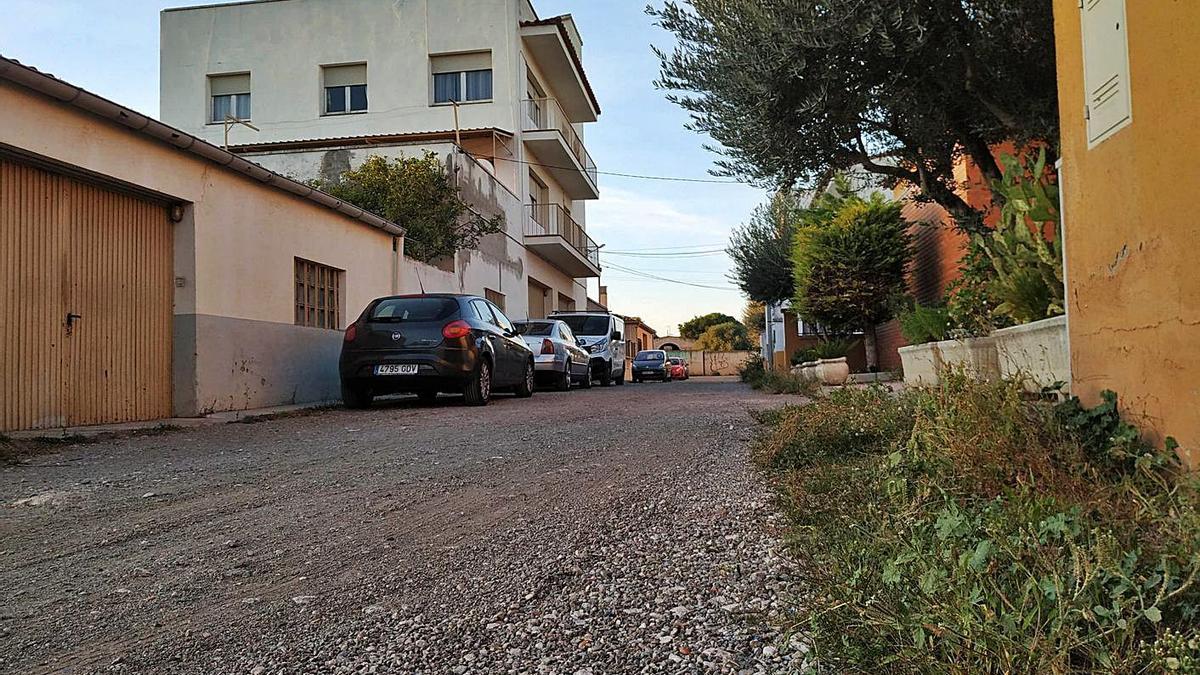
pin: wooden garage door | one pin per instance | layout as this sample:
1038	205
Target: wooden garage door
85	303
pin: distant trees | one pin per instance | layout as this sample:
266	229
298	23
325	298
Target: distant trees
724	337
754	318
791	89
695	327
418	194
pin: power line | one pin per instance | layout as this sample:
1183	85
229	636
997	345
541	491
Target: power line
655	277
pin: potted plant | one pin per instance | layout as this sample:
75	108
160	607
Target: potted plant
831	367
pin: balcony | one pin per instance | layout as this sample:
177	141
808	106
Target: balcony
558	148
553	234
549	43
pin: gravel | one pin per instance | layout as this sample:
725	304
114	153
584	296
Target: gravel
588	532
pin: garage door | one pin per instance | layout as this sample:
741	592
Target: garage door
85	303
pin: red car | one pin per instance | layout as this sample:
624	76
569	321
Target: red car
679	368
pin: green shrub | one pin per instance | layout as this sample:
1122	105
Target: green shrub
832	348
752	371
776	382
965	529
848	422
924	323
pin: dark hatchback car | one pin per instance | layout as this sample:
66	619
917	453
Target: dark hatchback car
651	364
433	343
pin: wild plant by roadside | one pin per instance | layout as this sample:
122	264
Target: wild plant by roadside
964	529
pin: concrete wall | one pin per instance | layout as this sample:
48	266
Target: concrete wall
501	263
235	343
702	363
1130	224
283	46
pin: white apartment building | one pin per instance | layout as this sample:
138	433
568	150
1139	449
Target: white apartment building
499	94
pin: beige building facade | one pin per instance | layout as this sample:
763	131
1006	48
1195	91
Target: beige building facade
496	92
157	275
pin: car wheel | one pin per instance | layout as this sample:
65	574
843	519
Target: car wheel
585	382
356	397
479	387
564	380
427	396
606	377
525	389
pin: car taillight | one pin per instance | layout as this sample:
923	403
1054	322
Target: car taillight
547	347
456	330
351	332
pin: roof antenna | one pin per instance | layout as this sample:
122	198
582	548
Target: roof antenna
419	282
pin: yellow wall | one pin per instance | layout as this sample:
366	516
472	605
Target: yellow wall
1132	223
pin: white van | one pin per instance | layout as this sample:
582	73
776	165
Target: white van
600	334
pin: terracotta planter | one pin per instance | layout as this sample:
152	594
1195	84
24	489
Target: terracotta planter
833	372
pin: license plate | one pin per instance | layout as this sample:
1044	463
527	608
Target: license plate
396	369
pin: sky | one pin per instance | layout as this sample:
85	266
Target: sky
111	47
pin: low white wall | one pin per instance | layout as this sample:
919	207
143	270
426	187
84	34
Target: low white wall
1035	353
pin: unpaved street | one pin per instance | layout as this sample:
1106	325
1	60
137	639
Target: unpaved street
610	530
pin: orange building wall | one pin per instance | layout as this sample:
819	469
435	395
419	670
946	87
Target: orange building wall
1131	223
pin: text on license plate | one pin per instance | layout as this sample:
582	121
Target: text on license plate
397	369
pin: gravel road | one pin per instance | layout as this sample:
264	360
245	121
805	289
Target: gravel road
605	531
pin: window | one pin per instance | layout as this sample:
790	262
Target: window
462	78
503	321
1105	69
230	97
485	311
405	310
345	89
539	200
318	295
494	297
566	303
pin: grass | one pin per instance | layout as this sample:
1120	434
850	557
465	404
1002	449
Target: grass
757	376
964	529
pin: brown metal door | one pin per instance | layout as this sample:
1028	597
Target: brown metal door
85	307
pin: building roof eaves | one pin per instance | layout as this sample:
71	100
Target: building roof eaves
64	92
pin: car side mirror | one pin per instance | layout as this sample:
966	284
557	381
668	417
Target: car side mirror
616	335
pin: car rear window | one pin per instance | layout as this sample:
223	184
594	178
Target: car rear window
648	356
586	325
536	328
413	310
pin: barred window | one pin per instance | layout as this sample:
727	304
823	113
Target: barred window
318	295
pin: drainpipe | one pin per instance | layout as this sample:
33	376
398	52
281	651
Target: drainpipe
1062	219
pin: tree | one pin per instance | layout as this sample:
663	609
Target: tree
761	250
850	271
694	328
417	194
793	88
754	318
724	337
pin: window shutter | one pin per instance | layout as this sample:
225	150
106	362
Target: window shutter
457	63
345	76
1105	68
220	85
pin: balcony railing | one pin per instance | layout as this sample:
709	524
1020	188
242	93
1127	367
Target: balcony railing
553	219
545	114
